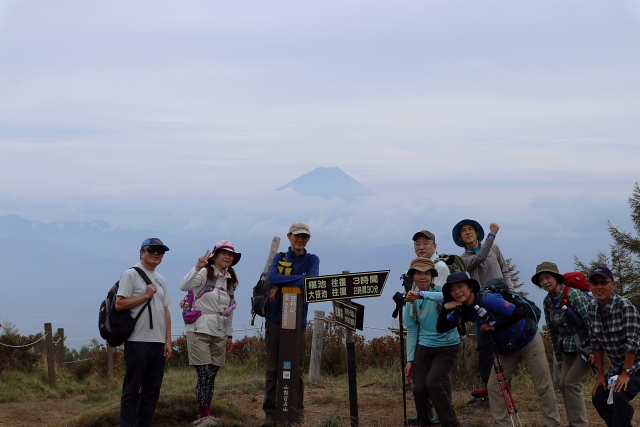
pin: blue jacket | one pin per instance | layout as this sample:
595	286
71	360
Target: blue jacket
304	265
420	318
510	335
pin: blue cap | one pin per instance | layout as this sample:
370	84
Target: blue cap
456	231
153	241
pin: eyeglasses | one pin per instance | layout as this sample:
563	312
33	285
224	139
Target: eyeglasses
153	250
600	282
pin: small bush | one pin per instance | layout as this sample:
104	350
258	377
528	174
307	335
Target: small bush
16	354
250	351
180	357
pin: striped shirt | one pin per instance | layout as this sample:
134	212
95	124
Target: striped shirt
615	328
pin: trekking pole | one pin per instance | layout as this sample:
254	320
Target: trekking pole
399	300
505	387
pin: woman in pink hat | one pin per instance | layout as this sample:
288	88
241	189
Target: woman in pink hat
209	316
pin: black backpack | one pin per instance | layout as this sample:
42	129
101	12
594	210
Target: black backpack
116	326
455	263
261	292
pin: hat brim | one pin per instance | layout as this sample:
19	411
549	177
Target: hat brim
534	279
412	271
166	248
236	255
446	292
456	231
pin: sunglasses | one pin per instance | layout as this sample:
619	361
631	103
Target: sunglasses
600	282
153	250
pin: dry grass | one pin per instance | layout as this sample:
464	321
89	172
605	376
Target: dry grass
239	395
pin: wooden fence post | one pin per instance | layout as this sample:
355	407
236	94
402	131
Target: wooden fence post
51	361
316	347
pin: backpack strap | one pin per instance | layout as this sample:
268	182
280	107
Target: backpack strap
148	281
565	296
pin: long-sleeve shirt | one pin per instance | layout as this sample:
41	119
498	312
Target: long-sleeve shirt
420	318
301	266
486	264
615	328
561	330
212	303
512	331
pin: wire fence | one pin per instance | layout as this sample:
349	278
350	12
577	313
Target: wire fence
27	345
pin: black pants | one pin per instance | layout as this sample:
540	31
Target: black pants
431	381
485	356
142	382
620	413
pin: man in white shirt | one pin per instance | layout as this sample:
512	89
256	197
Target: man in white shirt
149	346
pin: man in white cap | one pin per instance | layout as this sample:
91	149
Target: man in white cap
288	270
149	346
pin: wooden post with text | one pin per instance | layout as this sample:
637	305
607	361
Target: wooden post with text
340	288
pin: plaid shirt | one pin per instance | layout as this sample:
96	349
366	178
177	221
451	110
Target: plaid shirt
561	330
616	330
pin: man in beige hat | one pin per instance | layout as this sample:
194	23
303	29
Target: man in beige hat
288	270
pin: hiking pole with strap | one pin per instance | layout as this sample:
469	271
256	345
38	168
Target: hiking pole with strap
505	387
399	300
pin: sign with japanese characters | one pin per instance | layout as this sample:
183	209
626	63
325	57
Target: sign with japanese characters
349	314
345	286
289	305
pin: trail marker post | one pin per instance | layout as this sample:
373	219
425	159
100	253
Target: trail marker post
340	288
290	355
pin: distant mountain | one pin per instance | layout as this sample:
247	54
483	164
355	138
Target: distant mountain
327	183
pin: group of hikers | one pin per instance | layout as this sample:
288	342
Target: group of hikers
583	326
438	302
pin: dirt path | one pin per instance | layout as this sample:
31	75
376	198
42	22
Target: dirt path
38	412
376	408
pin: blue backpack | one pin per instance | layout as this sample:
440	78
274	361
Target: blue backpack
531	310
500	286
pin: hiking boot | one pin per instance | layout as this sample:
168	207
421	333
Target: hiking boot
435	421
413	421
478	401
480	393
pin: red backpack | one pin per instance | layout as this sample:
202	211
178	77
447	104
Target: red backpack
577	279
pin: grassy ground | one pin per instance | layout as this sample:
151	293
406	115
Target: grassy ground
94	402
85	398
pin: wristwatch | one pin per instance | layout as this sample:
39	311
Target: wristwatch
630	371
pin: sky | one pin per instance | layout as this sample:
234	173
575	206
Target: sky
183	117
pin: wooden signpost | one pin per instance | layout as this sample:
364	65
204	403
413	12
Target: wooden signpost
345	286
339	288
349	314
290	357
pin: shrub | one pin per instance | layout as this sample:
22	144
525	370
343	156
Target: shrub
16	354
180	357
382	353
